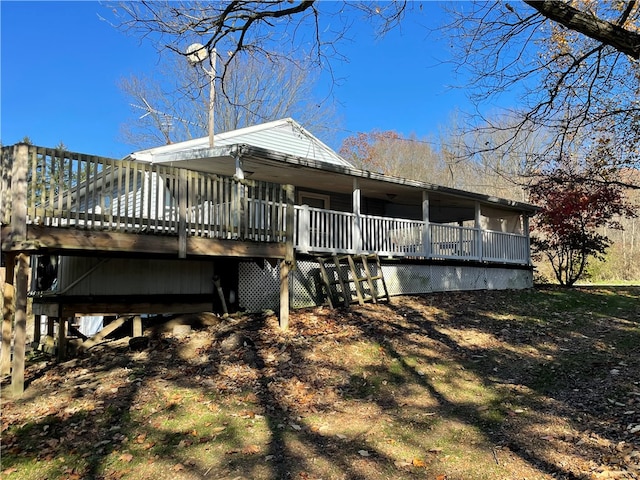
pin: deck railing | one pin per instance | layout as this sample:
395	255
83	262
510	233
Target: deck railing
327	231
62	189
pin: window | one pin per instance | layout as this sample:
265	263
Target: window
315	200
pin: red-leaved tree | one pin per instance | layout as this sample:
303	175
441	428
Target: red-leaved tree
566	230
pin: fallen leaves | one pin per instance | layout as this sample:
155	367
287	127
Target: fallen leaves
293	396
126	457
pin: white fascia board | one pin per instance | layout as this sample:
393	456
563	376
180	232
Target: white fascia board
184	155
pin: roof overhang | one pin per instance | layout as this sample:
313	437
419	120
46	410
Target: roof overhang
268	165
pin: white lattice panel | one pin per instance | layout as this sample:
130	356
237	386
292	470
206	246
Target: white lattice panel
259	287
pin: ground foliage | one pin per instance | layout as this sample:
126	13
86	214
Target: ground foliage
534	384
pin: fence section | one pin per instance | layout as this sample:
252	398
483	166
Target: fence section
65	189
328	231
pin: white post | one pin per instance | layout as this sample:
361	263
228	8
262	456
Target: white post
525	227
478	228
304	229
239	171
426	230
357	225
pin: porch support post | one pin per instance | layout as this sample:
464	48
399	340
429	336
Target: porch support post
525	227
239	170
19	345
304	229
9	308
357	223
182	212
426	231
478	228
287	263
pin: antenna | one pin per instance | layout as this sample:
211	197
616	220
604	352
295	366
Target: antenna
165	124
151	110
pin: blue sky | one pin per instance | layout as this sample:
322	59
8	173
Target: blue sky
60	67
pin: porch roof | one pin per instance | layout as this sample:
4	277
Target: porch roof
268	165
284	152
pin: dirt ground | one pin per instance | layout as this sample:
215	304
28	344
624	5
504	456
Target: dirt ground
536	384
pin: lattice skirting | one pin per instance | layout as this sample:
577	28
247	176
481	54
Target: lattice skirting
259	286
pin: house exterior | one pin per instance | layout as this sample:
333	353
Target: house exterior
184	222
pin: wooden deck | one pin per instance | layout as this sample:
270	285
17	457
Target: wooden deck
67	203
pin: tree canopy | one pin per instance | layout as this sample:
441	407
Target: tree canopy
576	61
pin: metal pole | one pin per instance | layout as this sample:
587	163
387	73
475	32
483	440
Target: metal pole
212	94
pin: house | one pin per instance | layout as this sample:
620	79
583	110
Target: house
266	218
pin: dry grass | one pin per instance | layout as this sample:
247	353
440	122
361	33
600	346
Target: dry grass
536	384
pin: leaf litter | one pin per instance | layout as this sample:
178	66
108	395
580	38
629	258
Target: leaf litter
460	386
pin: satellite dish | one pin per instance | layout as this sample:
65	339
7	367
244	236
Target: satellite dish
196	53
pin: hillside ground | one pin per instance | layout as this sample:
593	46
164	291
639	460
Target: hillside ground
534	384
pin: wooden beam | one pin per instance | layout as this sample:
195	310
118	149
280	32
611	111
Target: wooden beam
19	191
9	308
111	306
285	268
70	240
287	264
20	340
37	329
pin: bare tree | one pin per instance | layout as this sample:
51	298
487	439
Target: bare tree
175	107
576	63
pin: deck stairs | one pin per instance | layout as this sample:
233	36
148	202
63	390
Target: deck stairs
346	279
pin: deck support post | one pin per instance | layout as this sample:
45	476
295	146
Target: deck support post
62	338
37	330
287	263
51	326
9	308
137	326
426	233
20	341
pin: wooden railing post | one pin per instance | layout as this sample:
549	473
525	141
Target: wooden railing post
525	228
357	221
5	183
19	193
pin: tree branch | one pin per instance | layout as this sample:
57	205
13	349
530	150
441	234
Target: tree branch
611	34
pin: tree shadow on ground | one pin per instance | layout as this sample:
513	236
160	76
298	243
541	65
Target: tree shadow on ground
363	393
